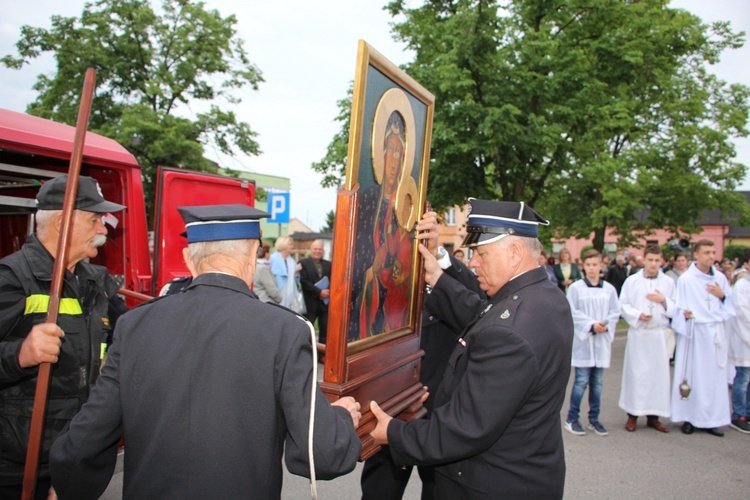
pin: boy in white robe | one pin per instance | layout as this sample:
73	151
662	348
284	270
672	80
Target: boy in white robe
596	311
738	331
704	303
647	304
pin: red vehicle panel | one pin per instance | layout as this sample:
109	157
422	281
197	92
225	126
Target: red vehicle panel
33	150
177	188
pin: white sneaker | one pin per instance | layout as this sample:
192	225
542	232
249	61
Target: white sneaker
574	427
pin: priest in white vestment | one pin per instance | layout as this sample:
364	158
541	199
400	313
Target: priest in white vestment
704	303
647	304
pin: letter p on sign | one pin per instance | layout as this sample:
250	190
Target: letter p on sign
278	207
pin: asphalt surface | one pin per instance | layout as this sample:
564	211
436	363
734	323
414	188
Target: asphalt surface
644	464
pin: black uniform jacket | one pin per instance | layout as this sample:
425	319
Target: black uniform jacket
308	276
210	387
442	328
495	431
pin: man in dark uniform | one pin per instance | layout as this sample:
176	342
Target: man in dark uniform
495	431
381	478
314	269
210	387
88	305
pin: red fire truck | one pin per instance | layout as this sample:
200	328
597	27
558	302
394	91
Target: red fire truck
33	150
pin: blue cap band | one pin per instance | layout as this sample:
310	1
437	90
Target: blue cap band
529	229
223	230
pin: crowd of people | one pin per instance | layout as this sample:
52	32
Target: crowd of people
212	412
694	314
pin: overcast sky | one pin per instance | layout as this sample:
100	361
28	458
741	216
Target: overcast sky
307	52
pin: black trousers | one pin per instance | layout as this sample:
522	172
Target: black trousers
322	316
384	480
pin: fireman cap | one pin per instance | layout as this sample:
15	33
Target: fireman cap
493	220
89	197
222	222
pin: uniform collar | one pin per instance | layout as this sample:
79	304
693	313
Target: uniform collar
522	281
42	262
222	280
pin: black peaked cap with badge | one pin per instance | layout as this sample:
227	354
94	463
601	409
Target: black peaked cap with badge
222	222
491	220
89	197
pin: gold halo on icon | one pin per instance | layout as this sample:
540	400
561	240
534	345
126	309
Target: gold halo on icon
406	198
393	100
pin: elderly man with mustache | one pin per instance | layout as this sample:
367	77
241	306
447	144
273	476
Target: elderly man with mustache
88	309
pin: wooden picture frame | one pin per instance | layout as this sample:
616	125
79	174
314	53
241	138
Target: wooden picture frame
377	285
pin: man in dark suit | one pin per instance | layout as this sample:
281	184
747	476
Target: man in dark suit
314	269
210	387
495	431
618	272
381	478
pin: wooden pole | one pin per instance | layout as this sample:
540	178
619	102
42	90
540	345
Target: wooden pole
36	432
134	295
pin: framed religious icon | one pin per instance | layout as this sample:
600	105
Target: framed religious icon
375	308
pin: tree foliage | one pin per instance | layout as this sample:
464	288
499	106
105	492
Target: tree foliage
330	221
333	165
151	66
599	113
736	252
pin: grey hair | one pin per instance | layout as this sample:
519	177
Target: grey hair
533	245
230	248
43	219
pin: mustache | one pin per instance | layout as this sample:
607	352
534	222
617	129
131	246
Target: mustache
99	240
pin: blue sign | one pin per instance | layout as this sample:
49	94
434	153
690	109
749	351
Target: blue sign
278	207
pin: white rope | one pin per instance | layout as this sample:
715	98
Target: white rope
689	348
311	426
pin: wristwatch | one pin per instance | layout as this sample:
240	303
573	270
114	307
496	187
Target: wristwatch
441	253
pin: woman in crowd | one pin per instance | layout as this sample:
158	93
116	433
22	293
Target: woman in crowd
566	272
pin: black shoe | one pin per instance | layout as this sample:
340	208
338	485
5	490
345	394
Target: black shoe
687	428
715	431
742	425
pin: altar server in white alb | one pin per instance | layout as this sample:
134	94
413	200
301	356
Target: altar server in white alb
704	300
738	331
596	310
647	304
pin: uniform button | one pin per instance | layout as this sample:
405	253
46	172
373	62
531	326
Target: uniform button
515	297
431	318
459	473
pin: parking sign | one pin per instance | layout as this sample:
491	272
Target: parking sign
278	207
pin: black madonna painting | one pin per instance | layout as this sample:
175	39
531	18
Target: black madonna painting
392	176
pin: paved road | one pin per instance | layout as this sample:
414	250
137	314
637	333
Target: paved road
641	465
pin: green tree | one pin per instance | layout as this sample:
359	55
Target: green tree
733	252
333	165
599	113
151	64
330	220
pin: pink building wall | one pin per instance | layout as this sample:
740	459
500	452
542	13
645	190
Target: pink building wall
714	233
